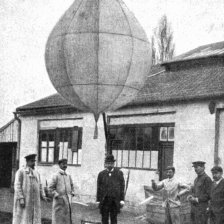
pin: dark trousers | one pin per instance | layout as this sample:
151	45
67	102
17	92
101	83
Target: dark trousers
109	210
199	214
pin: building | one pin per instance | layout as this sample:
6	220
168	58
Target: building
8	152
177	118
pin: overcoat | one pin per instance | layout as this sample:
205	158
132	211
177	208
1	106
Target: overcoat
217	202
62	189
27	186
201	190
112	185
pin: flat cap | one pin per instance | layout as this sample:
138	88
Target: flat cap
198	163
30	156
217	169
62	161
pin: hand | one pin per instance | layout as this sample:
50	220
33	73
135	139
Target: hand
46	199
22	202
56	195
122	204
189	197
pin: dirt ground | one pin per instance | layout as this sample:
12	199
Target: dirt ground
79	212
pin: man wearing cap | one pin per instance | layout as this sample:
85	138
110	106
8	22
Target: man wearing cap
216	208
28	192
173	189
62	189
110	191
200	193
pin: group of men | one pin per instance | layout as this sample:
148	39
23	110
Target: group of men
29	192
206	196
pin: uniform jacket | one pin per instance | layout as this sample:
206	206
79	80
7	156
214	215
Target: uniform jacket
202	188
61	185
217	198
27	186
112	186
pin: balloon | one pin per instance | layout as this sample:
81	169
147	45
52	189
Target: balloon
98	56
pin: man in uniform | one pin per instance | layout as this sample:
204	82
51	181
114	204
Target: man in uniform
173	189
216	209
200	194
62	189
28	192
110	191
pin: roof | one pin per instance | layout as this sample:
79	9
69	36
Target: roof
208	50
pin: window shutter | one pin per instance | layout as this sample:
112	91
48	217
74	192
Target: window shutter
75	138
80	138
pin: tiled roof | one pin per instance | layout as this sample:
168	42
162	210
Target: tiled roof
188	84
208	50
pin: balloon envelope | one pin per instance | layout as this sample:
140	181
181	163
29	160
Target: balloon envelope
98	55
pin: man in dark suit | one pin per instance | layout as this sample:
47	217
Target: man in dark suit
200	194
110	191
216	209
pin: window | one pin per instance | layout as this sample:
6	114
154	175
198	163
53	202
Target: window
60	143
138	146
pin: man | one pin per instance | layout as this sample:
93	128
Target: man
110	191
200	192
28	191
62	189
217	196
171	196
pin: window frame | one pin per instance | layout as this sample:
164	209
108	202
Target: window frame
140	125
57	131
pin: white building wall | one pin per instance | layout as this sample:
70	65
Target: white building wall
194	140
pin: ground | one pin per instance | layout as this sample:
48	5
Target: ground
79	212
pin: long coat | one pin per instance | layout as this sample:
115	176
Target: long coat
28	187
201	190
217	202
112	186
61	185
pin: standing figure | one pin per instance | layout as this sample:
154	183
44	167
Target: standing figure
217	196
171	196
200	194
28	192
110	191
62	189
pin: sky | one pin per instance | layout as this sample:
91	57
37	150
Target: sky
26	24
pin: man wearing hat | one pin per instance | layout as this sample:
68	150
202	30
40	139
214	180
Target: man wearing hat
110	191
173	189
200	194
62	189
216	209
28	192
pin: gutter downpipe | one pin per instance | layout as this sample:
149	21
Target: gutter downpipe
217	135
18	139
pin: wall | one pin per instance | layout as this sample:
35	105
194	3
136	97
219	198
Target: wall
194	140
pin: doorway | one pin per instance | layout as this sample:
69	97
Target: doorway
7	162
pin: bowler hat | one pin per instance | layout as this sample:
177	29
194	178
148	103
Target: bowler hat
109	158
217	169
62	161
30	156
198	163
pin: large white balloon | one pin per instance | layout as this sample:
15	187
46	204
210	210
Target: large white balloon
98	55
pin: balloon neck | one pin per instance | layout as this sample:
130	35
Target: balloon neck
95	131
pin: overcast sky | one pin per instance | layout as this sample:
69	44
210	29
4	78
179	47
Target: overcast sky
26	24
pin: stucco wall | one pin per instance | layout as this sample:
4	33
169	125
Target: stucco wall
194	140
